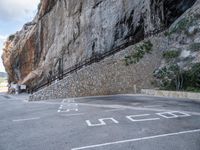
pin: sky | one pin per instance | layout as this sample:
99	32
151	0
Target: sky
13	15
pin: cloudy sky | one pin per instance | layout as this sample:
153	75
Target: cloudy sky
13	15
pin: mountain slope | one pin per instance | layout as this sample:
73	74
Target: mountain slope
73	31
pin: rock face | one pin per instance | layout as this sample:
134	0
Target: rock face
110	76
75	30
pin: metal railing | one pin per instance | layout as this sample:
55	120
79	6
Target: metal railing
93	59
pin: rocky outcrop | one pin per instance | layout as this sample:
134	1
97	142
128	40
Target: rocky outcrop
75	30
110	76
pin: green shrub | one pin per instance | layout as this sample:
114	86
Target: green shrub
169	77
193	76
184	24
138	53
128	60
174	78
171	54
181	25
11	37
194	47
166	33
39	6
193	89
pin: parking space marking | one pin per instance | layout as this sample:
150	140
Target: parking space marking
133	118
27	119
137	139
102	122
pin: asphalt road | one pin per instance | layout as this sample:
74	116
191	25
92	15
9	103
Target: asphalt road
121	122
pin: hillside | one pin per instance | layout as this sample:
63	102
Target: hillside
67	33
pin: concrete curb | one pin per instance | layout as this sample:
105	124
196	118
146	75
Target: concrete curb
171	94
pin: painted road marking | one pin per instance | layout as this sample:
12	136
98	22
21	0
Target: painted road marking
68	115
61	106
27	119
102	122
134	118
137	139
68	106
140	118
173	114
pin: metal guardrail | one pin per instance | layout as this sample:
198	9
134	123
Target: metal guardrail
93	59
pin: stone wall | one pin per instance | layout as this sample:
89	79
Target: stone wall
173	94
110	76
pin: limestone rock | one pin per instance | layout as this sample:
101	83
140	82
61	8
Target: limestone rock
75	30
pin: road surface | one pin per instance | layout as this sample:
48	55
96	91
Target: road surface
120	122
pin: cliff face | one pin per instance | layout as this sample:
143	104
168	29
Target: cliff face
74	30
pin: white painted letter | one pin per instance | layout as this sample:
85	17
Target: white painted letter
173	114
102	122
133	118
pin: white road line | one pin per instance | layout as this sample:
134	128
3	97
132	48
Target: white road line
27	119
137	139
68	115
49	103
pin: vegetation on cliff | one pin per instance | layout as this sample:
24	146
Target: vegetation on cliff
75	31
174	77
138	53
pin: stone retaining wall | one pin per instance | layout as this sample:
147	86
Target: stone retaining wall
174	94
110	76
